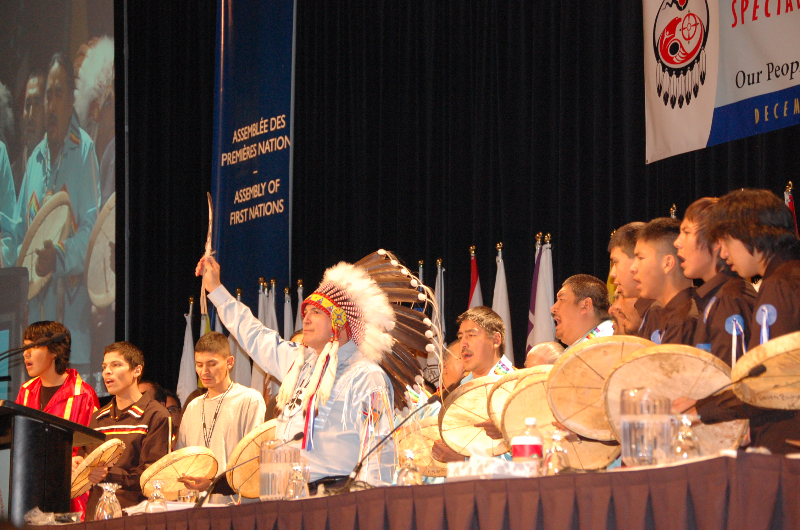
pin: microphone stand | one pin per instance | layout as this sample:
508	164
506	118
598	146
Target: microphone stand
207	493
353	474
45	341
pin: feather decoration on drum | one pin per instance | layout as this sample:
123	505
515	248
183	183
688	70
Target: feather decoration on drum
208	253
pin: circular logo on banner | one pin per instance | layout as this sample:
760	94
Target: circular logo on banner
680	32
734	325
768	311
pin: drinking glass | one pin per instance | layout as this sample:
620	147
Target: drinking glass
156	503
556	460
297	487
108	506
409	474
685	445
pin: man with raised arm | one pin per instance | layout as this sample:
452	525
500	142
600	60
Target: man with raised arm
333	392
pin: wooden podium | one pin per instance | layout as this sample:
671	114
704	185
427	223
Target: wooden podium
41	458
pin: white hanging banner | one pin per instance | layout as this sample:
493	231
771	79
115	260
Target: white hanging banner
718	71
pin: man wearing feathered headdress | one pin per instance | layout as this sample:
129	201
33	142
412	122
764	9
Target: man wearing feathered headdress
333	390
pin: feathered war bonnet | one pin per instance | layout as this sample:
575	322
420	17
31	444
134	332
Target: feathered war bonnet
367	300
355	303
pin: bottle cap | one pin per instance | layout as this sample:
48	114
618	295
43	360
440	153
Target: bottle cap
530	422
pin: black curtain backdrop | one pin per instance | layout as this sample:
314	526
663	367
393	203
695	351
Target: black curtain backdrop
422	128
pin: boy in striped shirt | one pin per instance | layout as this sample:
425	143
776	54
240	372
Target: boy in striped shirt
135	418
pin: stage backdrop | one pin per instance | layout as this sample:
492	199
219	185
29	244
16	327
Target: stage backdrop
81	292
252	158
719	70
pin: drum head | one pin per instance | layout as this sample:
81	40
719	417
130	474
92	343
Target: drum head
503	388
529	399
52	223
104	456
245	479
672	371
462	409
779	386
575	385
187	462
100	278
418	436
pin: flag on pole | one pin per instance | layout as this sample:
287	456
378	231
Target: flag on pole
438	292
475	296
205	324
500	303
787	197
288	320
420	306
544	328
534	284
431	368
241	361
217	324
272	314
257	375
187	376
298	323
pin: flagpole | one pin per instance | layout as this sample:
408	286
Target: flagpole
298	322
500	303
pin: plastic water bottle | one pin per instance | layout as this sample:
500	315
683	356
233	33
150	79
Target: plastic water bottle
527	447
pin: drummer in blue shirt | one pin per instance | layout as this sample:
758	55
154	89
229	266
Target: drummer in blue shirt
64	160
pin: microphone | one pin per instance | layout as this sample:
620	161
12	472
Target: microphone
353	474
43	341
207	493
753	372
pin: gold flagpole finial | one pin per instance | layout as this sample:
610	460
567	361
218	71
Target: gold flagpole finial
299	282
547	238
421	263
261	280
472	250
672	211
439	262
272	283
191	300
539	238
613	232
789	187
499	246
238	291
286	290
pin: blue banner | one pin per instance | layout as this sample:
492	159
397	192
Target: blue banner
252	144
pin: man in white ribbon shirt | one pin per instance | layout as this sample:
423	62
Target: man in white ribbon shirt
333	391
